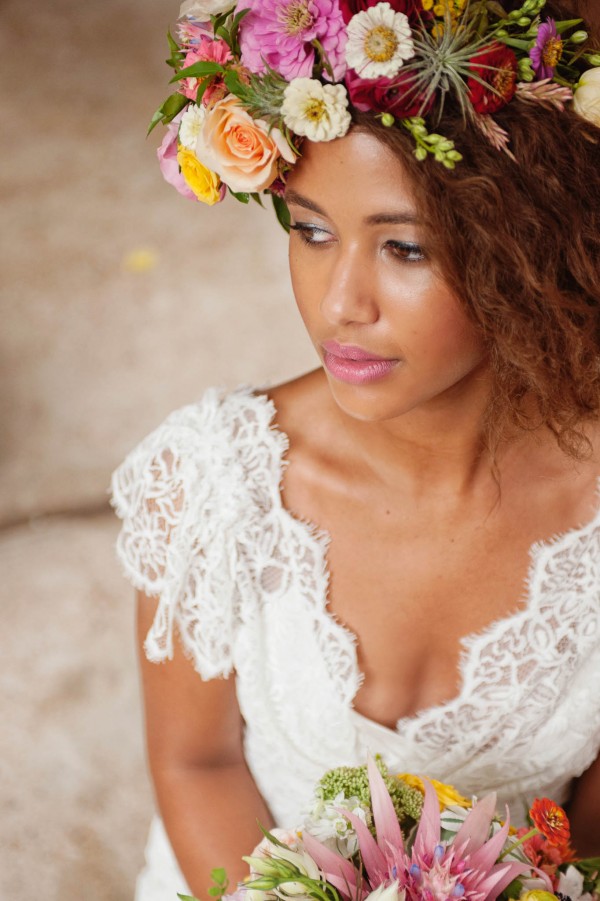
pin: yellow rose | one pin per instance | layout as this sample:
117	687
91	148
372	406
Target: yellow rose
446	794
205	184
586	100
537	895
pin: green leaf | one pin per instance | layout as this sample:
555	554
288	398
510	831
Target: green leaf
216	891
566	24
514	42
257	199
219	875
202	88
169	109
187	897
220	19
223	32
241	196
233	83
198	70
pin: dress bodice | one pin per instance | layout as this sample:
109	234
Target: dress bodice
245	585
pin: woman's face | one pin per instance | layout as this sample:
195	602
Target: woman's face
391	334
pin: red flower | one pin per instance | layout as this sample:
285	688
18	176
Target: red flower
411	8
395	95
497	66
552	822
542	855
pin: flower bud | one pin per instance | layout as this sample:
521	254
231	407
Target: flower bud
579	37
524	21
388	120
593	59
421	154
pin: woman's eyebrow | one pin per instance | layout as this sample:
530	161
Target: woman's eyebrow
402	217
300	200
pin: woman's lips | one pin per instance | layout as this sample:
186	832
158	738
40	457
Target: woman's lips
355	365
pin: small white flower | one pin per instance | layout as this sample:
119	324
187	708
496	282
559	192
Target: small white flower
325	822
379	42
571	883
317	111
204	9
191	123
586	100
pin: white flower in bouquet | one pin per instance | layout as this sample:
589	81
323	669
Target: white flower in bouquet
571	883
314	110
325	822
586	100
191	125
204	9
379	42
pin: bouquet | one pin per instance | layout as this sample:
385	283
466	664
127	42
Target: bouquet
371	836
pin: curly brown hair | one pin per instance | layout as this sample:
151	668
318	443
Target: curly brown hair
519	243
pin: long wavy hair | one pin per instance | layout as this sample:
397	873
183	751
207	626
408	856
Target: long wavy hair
519	243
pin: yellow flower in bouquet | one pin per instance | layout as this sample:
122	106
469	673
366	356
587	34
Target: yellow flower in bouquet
205	184
446	794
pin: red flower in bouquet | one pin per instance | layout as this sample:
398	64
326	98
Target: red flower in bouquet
411	8
542	854
397	95
494	80
553	823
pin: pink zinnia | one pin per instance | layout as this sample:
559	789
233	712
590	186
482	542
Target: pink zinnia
279	33
206	49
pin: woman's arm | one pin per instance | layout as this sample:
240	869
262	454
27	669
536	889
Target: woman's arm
584	812
207	798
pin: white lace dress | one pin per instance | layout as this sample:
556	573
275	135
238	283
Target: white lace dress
244	583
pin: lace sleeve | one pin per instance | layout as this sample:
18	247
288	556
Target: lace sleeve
175	542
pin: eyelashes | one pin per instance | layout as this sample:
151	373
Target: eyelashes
406	251
307	233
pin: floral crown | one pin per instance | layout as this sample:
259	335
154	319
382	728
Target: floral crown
255	78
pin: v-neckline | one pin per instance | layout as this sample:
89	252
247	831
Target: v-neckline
321	539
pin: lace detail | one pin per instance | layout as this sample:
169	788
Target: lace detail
246	584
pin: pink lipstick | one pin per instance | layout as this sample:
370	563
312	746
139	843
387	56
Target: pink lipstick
354	364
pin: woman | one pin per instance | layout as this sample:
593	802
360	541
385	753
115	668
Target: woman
398	551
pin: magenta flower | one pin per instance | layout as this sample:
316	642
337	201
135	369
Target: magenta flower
167	159
280	34
466	867
547	50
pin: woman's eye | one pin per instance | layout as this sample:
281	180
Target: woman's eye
407	251
311	234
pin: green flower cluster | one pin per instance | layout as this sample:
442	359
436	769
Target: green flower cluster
353	781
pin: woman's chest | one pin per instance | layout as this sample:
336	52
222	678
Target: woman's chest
412	581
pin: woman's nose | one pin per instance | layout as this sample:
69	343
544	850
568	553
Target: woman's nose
349	294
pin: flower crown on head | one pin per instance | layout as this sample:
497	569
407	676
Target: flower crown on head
255	78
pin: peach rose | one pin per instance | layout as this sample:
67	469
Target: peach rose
241	149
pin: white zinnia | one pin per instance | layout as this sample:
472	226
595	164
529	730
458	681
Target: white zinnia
586	100
317	111
379	42
191	123
204	9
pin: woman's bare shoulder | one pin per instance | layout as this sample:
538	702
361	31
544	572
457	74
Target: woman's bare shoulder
303	405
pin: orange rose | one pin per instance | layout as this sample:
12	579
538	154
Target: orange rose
241	149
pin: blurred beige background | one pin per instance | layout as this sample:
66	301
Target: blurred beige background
119	302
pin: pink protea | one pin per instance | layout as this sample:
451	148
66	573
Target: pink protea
205	49
280	34
465	868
